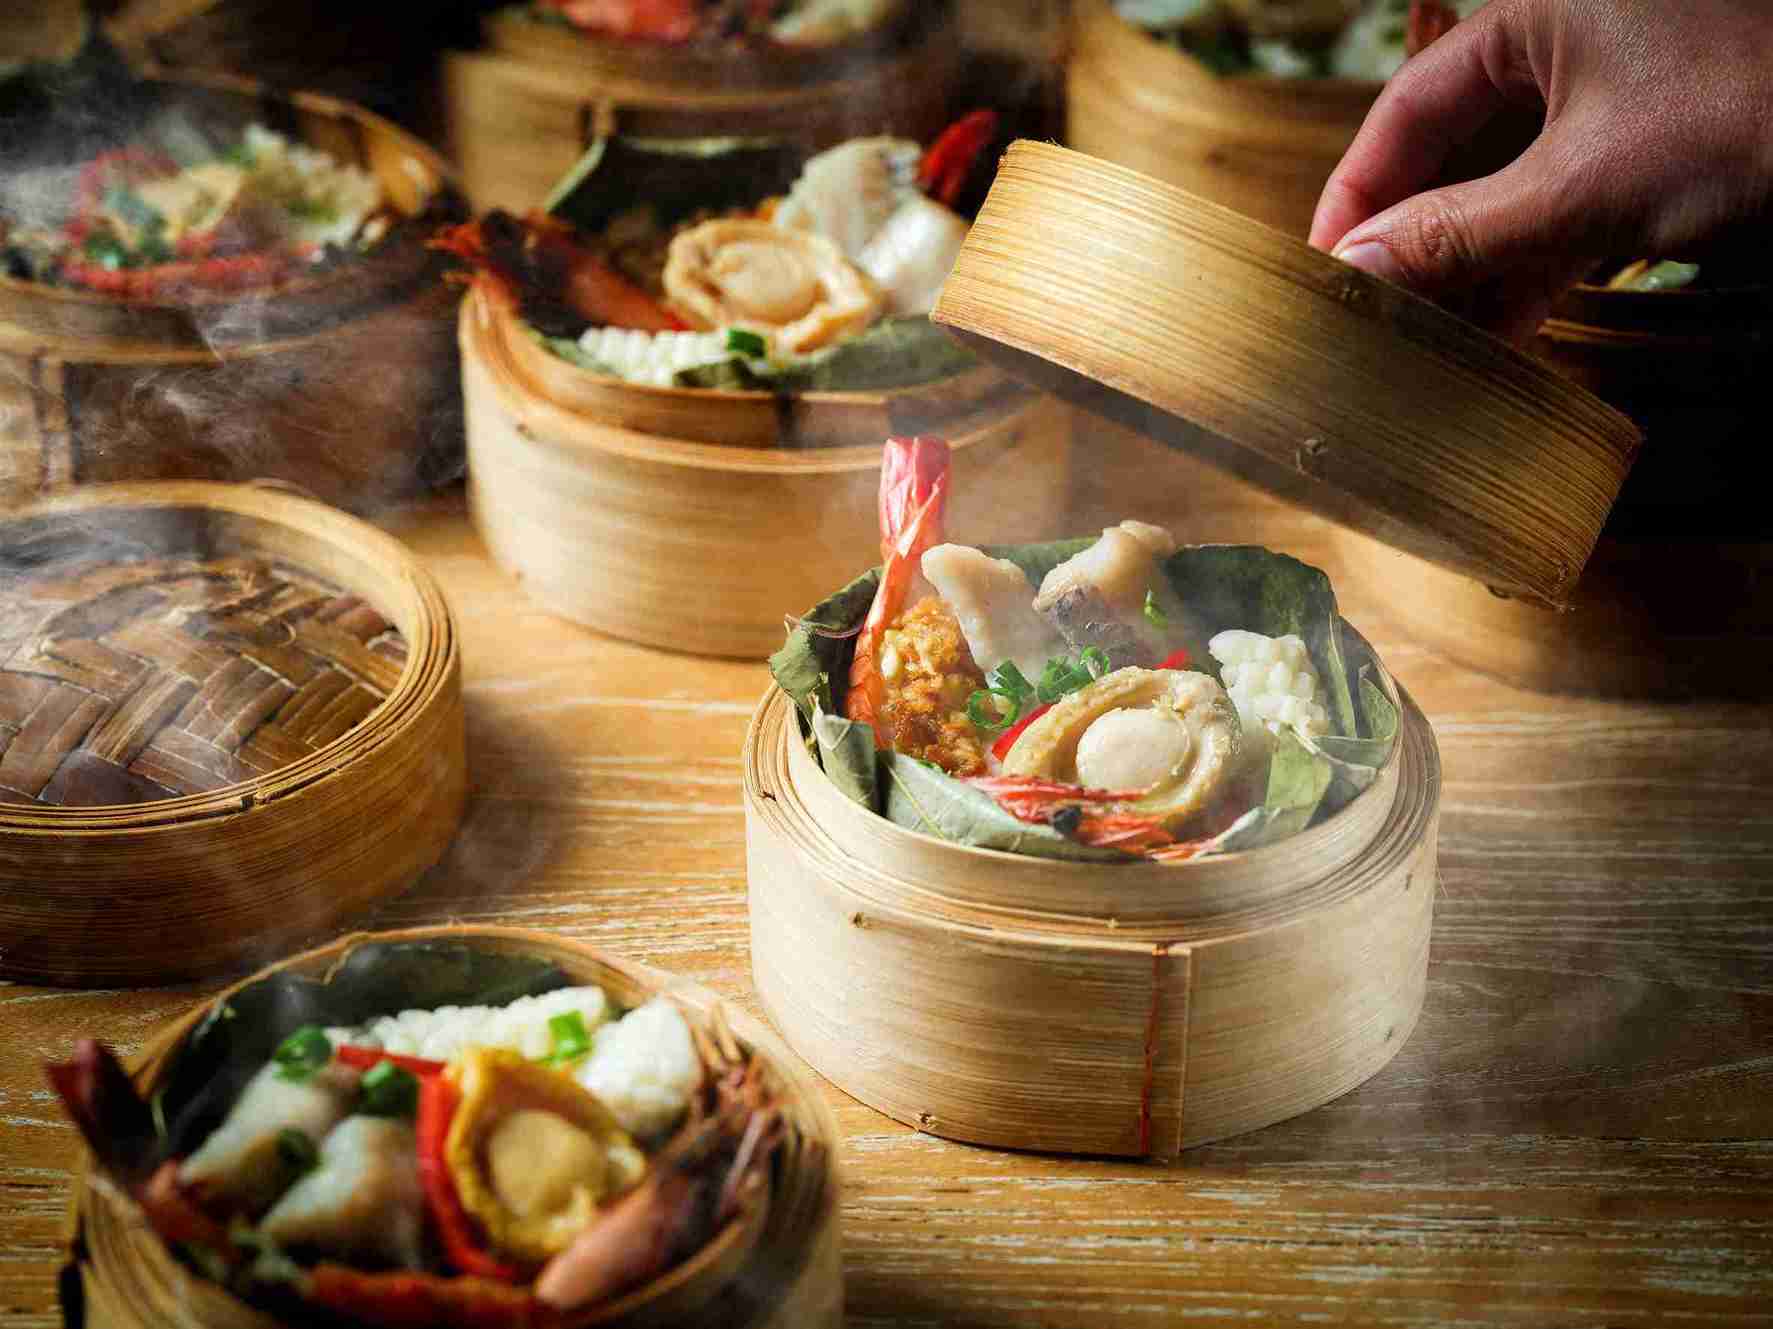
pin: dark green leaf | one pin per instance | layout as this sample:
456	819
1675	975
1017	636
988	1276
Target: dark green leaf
1379	721
924	798
894	353
846	751
569	350
677	178
809	658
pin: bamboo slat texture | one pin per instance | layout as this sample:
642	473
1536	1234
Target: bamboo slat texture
1579	1132
774	1267
1235	342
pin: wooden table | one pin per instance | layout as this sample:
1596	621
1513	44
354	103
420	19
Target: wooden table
1580	1131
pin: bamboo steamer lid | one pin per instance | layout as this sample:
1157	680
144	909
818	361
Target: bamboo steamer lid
229	717
778	1267
1222	337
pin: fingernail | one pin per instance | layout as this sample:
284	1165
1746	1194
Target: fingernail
1371	256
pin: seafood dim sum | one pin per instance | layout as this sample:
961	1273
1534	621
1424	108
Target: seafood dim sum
708	283
1112	698
498	1182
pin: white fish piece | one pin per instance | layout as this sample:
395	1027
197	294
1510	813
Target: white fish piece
441	1034
237	1166
848	193
644	1068
1097	597
990	598
362	1200
911	255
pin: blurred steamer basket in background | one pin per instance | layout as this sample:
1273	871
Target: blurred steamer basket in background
342	382
696	519
1674	602
520	112
777	1266
1255	143
229	718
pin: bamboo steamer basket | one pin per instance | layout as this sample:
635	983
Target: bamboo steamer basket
695	520
777	1268
1259	145
364	54
1126	1009
520	113
342	382
1672	605
234	758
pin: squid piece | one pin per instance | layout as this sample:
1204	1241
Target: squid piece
1098	597
989	597
911	255
848	193
794	287
362	1201
238	1167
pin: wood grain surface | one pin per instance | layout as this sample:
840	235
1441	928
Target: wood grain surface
1580	1132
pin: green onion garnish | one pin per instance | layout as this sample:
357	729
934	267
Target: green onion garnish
741	342
570	1040
302	1053
1000	703
296	1151
1154	613
388	1091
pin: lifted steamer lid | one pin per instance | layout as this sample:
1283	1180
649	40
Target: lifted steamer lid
1225	338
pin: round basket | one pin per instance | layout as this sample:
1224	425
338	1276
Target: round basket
1259	145
521	113
695	520
229	718
778	1269
1672	603
342	382
1130	1009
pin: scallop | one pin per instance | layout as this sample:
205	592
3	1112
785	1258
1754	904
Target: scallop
1170	737
793	287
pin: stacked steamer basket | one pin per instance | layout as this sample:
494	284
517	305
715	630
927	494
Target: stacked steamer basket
1259	144
696	518
520	112
341	381
775	1266
1672	604
372	56
229	718
1129	1008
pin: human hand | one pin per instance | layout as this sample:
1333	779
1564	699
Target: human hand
1658	137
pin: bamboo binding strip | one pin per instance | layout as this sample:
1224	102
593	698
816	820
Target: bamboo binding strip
1259	145
777	1269
521	113
1299	373
229	717
677	517
1131	1010
342	381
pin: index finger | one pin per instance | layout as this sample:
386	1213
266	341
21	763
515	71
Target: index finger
1439	100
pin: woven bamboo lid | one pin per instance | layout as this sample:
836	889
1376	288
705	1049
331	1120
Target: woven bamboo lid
1230	340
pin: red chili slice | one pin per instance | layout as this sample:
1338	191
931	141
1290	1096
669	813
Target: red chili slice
1007	740
362	1058
462	1246
1176	660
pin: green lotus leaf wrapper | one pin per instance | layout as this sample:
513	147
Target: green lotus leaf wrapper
1223	587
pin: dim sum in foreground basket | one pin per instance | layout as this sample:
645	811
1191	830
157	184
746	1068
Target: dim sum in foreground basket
488	1127
1103	846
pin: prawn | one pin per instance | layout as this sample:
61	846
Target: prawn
913	501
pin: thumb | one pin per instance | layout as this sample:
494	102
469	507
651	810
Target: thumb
1449	239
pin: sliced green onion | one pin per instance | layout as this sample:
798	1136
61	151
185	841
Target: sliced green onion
984	712
388	1091
1094	661
1007	681
296	1151
741	342
570	1040
1154	613
302	1053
